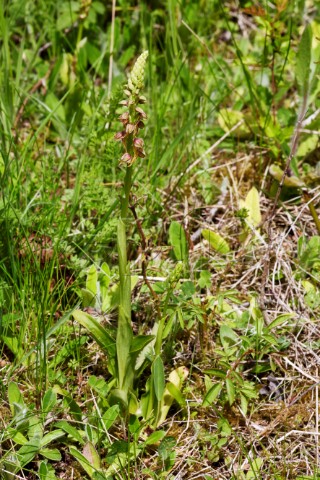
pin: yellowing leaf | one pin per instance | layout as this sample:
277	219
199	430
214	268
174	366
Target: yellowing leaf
292	181
229	118
252	205
216	241
91	455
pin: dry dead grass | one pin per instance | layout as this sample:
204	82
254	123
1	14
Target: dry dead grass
282	430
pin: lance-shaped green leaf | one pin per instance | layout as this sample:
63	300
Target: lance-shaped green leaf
70	430
92	280
212	394
100	335
215	240
158	377
15	397
49	400
51	454
303	66
230	391
178	240
110	416
28	451
84	462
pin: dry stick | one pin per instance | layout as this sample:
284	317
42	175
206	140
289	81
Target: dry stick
317	422
144	263
113	17
293	149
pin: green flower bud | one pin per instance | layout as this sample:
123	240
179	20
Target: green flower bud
136	77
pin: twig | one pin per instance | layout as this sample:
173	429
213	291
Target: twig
299	432
113	16
293	149
144	263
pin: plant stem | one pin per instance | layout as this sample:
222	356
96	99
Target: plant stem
126	197
124	331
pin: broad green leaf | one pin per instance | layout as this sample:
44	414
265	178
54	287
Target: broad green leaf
91	455
104	280
176	379
106	270
100	476
155	437
73	432
51	454
312	297
215	240
82	460
244	404
100	335
12	342
74	408
255	469
216	372
110	416
208	383
176	394
49	400
18	437
67	14
46	471
15	397
230	391
178	240
280	320
99	385
166	447
139	342
51	437
270	339
55	106
64	69
308	145
92	280
119	397
88	298
28	451
35	427
228	337
304	59
133	405
252	205
212	394
147	401
158	377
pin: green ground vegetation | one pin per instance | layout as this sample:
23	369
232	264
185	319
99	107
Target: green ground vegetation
160	239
